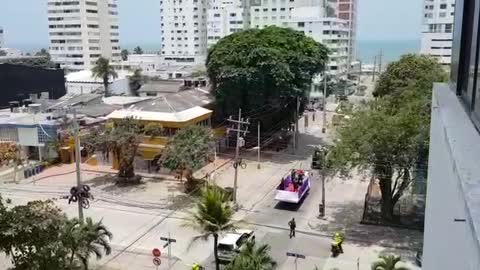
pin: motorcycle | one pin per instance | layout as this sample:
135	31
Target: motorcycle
336	246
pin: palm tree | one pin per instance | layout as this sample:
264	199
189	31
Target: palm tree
136	80
84	239
253	258
104	70
212	216
388	262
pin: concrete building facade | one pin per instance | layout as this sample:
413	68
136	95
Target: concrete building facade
183	25
347	10
452	214
437	29
82	31
330	31
225	17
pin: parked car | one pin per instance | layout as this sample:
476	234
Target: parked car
231	244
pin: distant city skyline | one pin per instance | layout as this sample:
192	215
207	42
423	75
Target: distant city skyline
25	22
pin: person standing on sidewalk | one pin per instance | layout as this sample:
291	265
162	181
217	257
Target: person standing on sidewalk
292	226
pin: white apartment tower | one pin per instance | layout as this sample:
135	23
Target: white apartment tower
437	29
330	31
225	17
308	16
82	31
183	26
1	38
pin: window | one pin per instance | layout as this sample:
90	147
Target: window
443	6
442	14
274	9
233	14
448	28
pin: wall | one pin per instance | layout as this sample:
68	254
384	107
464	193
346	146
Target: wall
18	81
28	136
450	244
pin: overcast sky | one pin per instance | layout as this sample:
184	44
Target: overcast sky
25	22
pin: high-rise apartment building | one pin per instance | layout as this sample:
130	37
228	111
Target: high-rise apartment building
82	31
183	26
437	29
1	38
347	10
311	17
330	31
225	17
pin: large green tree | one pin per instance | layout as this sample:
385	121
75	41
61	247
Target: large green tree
104	70
38	236
421	69
258	68
122	139
188	150
136	80
253	257
212	216
389	135
124	54
137	50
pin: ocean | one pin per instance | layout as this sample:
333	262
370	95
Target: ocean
366	49
391	49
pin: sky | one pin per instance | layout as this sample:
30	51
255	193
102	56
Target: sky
25	21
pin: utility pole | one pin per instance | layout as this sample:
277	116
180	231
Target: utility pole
258	142
295	133
374	67
324	123
380	62
322	213
77	163
359	76
239	130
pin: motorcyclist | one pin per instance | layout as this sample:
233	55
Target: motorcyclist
197	266
337	241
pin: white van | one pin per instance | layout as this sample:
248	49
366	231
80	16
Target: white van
230	245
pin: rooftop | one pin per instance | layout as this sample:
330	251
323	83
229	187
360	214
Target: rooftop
87	76
123	100
76	99
176	102
182	116
161	86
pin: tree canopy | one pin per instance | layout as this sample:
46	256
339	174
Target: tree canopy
137	50
212	216
188	150
122	138
259	67
388	262
124	54
410	68
253	257
39	236
390	135
105	71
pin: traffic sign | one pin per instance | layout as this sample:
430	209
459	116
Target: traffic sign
170	240
156	252
296	255
157	261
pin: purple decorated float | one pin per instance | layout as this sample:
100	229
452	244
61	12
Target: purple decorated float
293	187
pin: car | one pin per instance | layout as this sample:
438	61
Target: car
231	244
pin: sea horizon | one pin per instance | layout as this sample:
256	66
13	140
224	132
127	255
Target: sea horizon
392	50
